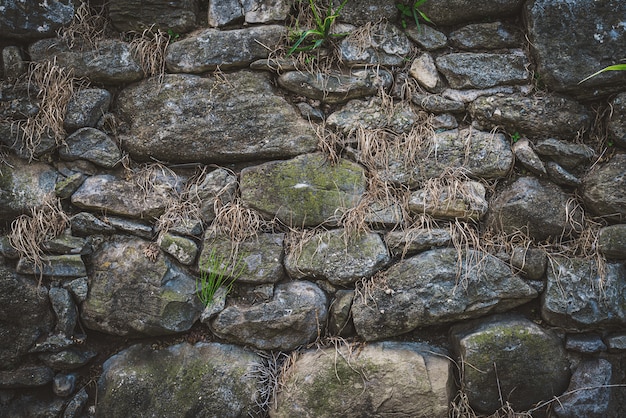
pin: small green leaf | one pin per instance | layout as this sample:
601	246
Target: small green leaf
616	67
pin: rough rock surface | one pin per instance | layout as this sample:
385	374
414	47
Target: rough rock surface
532	116
479	70
587	394
299	192
493	35
578	296
450	12
381	379
92	145
203	379
570	156
596	37
198	119
293	317
617	120
137	15
131	295
612	241
371	114
459	200
604	188
337	256
430	289
384	44
538	209
109	62
206	50
86	107
24	186
510	355
22	19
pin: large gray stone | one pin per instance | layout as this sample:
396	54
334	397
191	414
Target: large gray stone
464	200
25	315
414	240
61	266
477	70
371	114
306	190
612	241
509	357
382	379
450	12
476	153
578	296
337	256
118	196
86	107
198	119
492	35
587	395
109	62
137	15
92	145
531	116
571	40
436	287
225	12
293	317
211	48
129	294
604	188
336	87
200	380
24	186
383	44
32	19
369	11
538	209
569	155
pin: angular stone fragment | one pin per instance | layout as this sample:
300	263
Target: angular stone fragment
482	70
568	155
25	377
336	87
206	50
92	145
598	38
412	241
579	296
459	200
120	197
225	12
181	248
130	294
337	256
585	343
339	317
205	379
13	64
403	379
532	262
259	259
616	124
510	355
604	188
383	44
450	12
538	209
476	153
86	107
209	120
588	394
372	115
437	104
612	241
137	15
220	184
437	287
427	37
31	20
293	317
527	156
369	11
425	72
492	35
110	62
306	190
67	359
262	11
561	176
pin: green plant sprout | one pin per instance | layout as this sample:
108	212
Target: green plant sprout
217	272
515	137
173	35
414	12
316	37
616	67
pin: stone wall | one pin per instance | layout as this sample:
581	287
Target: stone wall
420	220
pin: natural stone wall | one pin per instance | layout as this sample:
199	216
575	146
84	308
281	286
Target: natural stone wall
421	221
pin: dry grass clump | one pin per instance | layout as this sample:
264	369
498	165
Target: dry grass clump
149	47
236	221
270	374
55	87
29	232
86	29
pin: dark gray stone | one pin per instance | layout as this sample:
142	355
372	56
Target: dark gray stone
616	342
492	35
25	377
31	20
85	108
531	116
450	12
538	209
205	379
532	262
92	145
67	359
225	12
78	288
339	315
76	405
412	241
13	63
64	385
427	37
561	176
571	40
67	265
369	11
65	310
211	119
567	154
587	395
612	241
137	15
211	48
512	357
384	44
293	317
437	287
85	223
336	87
585	343
525	154
477	70
109	62
616	124
604	189
437	104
